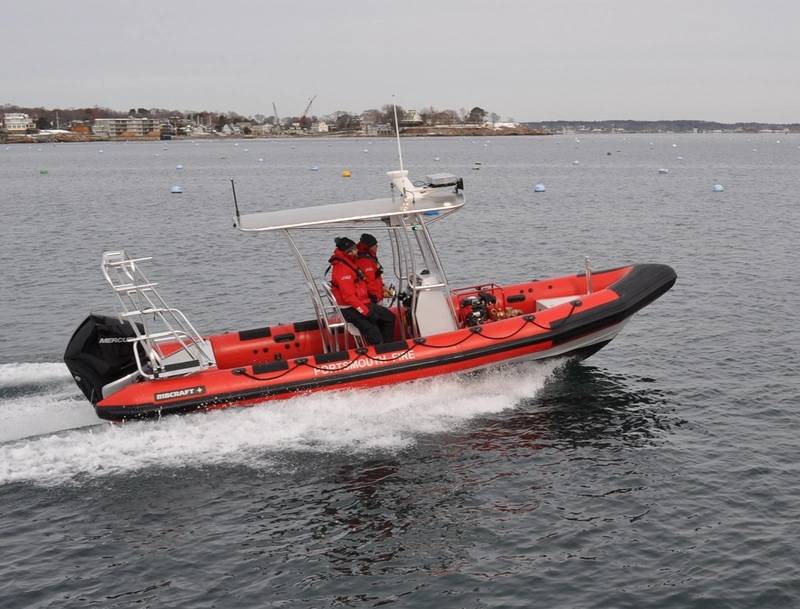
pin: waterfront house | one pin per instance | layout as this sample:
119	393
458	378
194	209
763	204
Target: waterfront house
230	129
130	127
378	129
83	127
18	122
411	118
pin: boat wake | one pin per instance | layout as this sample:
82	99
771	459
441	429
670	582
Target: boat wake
18	378
385	419
38	399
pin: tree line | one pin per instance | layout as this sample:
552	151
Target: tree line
340	120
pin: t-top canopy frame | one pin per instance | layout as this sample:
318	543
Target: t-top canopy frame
430	208
407	212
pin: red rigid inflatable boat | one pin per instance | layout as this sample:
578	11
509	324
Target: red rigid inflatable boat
149	360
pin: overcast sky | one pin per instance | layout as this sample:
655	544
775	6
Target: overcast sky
726	60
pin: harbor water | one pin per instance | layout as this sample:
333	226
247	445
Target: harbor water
661	472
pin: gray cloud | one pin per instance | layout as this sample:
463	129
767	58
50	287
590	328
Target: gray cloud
579	59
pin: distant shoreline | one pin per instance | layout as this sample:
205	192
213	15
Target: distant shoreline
83	137
43	138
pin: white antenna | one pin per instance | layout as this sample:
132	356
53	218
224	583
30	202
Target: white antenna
397	132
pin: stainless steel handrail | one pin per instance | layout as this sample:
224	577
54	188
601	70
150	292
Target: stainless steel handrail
153	321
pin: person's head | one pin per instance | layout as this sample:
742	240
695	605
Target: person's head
346	245
368	242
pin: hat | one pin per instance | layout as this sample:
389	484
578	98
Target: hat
344	244
368	240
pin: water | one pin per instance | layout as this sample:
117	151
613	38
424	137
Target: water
662	472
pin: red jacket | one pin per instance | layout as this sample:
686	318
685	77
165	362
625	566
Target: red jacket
373	272
347	283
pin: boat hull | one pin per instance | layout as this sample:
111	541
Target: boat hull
576	328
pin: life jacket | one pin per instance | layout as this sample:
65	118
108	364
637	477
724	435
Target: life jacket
348	283
373	272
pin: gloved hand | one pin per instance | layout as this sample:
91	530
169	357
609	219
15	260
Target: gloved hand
388	292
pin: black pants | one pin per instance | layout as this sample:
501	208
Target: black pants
377	327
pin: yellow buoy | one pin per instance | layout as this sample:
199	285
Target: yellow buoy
346	173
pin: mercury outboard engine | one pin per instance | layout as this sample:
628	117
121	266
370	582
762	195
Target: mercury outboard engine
99	353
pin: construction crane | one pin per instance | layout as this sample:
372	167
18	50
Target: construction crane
277	119
305	112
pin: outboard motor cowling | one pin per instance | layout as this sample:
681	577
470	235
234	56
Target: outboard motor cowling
99	353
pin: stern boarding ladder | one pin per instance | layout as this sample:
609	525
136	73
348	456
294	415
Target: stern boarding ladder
154	322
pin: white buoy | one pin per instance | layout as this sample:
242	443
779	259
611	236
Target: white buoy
366	150
176	190
680	158
314	168
674	145
663	170
260	160
576	162
718	188
101	150
539	187
247	150
436	158
236	144
178	166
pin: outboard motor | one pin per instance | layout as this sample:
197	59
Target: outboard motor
99	353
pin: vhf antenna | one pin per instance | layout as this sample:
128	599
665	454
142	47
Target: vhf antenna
235	202
397	132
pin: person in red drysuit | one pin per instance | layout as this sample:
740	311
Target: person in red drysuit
376	323
372	269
